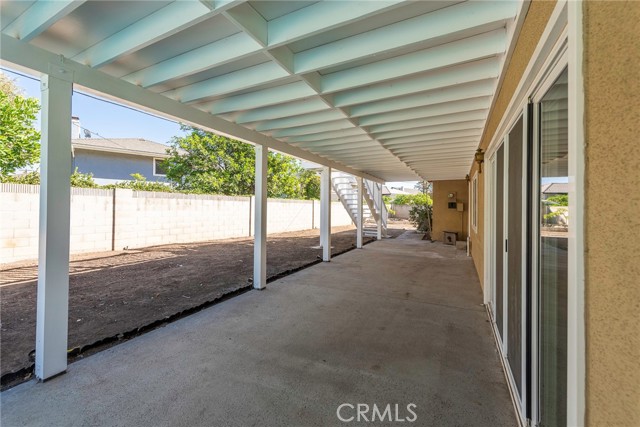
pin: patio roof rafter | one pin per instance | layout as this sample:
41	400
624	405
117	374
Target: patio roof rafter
302	76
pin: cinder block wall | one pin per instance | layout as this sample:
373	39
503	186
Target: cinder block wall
339	215
289	215
19	222
91	221
146	219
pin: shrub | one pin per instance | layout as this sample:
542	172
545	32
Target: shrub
78	179
421	216
140	183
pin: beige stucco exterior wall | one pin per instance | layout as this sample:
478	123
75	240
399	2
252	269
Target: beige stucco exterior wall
532	28
445	219
612	212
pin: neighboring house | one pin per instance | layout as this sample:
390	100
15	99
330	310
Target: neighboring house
554	188
115	159
403	189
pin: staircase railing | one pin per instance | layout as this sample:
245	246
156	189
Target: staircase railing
379	206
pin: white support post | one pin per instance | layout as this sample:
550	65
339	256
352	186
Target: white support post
260	220
359	218
53	250
380	202
325	213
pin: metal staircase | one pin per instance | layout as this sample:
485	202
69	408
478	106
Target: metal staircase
346	188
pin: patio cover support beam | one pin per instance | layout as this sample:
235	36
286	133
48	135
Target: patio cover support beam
29	57
380	210
359	218
53	250
260	220
325	213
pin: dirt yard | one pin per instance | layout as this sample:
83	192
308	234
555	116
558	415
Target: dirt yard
116	296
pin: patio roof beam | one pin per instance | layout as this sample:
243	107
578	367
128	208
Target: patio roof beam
29	57
475	124
322	17
441	150
260	98
448	142
458	52
481	103
477	70
353	146
39	17
161	24
308	105
299	120
453	22
323	136
421	99
429	121
336	141
246	78
312	129
229	49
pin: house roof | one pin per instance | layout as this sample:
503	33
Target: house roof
133	146
387	90
555	188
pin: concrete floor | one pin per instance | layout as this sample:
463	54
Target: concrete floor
397	322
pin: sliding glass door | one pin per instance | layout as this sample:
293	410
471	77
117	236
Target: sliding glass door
529	221
552	233
508	296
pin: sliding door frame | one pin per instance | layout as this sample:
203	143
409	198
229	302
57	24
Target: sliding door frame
560	46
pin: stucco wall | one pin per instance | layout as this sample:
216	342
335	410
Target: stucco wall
445	219
534	24
114	166
146	219
612	215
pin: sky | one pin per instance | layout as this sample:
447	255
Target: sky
105	118
110	120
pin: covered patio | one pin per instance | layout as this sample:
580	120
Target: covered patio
398	322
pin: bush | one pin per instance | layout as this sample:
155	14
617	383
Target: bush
140	183
412	199
78	179
421	216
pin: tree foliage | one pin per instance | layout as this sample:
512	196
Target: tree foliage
202	162
421	212
19	140
78	179
412	199
138	182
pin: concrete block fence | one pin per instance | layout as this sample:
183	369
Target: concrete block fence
104	220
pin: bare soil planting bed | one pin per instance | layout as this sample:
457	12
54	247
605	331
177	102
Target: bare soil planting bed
115	296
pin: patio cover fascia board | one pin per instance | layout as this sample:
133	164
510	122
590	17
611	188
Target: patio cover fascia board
30	58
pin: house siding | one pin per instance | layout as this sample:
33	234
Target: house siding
114	166
445	219
612	212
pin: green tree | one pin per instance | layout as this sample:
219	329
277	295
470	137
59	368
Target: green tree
19	140
310	185
202	162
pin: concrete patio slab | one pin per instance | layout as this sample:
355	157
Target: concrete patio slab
398	322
